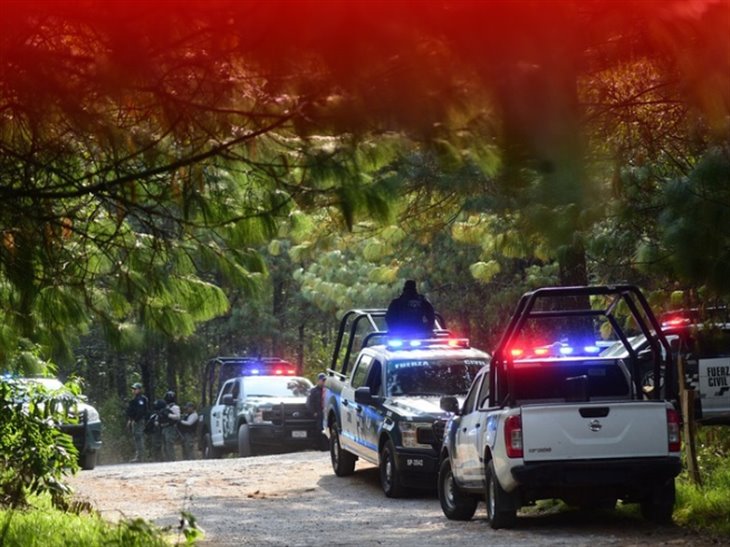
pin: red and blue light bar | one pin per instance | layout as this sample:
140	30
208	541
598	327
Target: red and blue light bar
400	343
281	368
554	350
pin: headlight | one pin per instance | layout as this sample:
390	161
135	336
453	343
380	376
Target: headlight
258	414
409	434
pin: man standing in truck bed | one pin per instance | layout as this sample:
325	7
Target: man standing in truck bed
411	313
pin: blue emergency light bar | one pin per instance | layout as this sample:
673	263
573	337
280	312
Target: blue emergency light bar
457	343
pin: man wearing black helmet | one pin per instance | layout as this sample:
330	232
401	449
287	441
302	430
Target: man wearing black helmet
137	411
410	314
168	423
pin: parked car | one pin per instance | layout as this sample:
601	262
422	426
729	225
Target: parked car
262	410
704	346
85	429
385	410
570	424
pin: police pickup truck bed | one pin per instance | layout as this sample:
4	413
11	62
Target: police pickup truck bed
385	408
570	425
262	409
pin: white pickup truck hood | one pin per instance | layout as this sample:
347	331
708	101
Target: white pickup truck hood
415	406
581	431
273	401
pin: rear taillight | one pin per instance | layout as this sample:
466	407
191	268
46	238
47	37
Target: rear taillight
513	436
675	439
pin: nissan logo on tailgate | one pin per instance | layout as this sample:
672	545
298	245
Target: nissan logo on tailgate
595	425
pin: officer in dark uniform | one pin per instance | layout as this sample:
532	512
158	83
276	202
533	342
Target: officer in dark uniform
169	420
154	428
137	411
315	400
411	314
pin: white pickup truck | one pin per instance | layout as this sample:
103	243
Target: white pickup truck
556	420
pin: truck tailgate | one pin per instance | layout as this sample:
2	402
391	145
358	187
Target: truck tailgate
593	430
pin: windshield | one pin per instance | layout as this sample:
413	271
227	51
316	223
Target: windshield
276	386
435	377
619	350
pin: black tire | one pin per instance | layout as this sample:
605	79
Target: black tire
343	462
389	476
244	441
658	506
455	504
501	511
210	452
87	460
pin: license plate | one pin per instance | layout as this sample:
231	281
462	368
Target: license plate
299	434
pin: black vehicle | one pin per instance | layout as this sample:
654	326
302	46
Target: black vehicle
386	409
84	429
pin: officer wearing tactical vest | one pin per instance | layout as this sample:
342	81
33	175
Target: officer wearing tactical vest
188	427
169	418
137	411
411	314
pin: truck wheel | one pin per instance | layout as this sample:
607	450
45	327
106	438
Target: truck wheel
500	509
343	462
210	452
455	504
389	476
658	506
87	460
244	441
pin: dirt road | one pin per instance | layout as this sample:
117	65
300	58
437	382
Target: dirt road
295	499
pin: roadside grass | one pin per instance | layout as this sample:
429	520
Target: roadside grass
42	525
707	507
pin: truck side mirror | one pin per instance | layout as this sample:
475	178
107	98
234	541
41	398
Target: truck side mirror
363	396
228	399
449	404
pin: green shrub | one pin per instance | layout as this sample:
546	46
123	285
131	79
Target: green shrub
35	455
42	525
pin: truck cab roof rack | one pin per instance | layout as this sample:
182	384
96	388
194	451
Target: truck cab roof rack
372	322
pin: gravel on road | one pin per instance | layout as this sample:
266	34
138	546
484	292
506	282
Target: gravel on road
295	499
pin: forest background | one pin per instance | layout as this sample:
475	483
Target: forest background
197	179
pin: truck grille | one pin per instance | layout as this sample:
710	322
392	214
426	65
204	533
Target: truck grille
433	435
289	413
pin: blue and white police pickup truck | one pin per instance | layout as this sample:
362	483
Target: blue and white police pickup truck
385	408
702	339
260	406
572	425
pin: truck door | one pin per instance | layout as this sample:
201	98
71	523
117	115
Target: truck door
713	351
351	437
230	414
370	417
466	456
217	412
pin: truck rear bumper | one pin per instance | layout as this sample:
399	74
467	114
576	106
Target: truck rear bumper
618	473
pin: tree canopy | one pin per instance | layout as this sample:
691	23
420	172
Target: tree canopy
168	163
